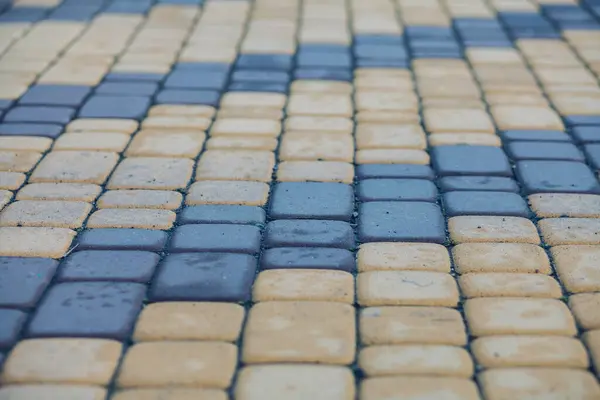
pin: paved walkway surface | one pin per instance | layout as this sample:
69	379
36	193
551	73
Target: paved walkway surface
300	200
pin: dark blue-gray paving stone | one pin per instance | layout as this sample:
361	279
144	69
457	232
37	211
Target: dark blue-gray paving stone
55	95
421	44
544	151
5	103
47	130
11	322
334	74
109	265
542	136
281	62
107	106
397	189
222	214
478	183
172	96
436	54
586	134
312	200
128	8
128	88
556	177
485	203
226	238
134	77
88	309
203	80
574	120
470	160
308	258
77	14
381	63
380	51
23	280
309	233
486	43
24	14
122	239
260	76
391	221
258	87
382	171
40	114
305	59
204	277
592	151
417	31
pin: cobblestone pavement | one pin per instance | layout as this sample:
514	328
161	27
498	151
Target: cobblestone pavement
300	200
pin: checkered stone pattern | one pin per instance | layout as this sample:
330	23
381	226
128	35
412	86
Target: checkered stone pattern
299	199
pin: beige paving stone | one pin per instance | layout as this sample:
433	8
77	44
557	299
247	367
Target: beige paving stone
250	112
11	180
520	316
170	394
472	139
59	191
538	383
386	101
182	364
66	361
303	284
35	242
319	104
18	161
159	173
52	392
392	156
411	325
172	110
577	267
5	198
400	117
166	144
127	126
164	123
495	56
313	146
236	165
457	120
437	360
500	257
529	351
315	171
506	284
452	102
592	341
295	382
405	387
253	99
92	141
584	307
228	192
75	167
364	82
319	124
390	136
241	143
132	218
246	127
189	321
320	86
570	231
25	143
412	288
476	229
553	205
307	331
513	117
54	214
522	99
161	199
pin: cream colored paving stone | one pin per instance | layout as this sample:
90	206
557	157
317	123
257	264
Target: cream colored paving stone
236	165
189	321
59	191
25	143
132	218
315	171
181	364
53	214
18	161
35	242
386	101
159	173
452	102
472	139
306	332
518	316
364	82
521	99
413	288
538	383
167	143
411	325
457	120
392	156
476	229
170	394
577	267
486	55
303	284
377	136
92	141
320	86
529	351
228	192
11	180
246	126
436	360
592	341
570	231
553	205
513	117
161	199
5	198
250	112
172	110
387	117
505	284
75	167
127	126
418	387
169	123
319	104
316	146
52	392
500	257
295	382
319	124
577	105
460	89
584	307
66	361
253	99
241	143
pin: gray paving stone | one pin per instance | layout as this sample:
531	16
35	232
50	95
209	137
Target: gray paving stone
11	322
23	280
478	183
556	177
179	96
389	171
307	258
110	106
542	136
312	200
586	134
592	151
107	265
216	238
122	239
40	114
485	203
207	80
222	214
25	129
128	88
544	151
55	95
470	160
397	189
309	233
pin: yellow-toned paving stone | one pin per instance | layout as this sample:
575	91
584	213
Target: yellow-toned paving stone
52	392
403	256
228	192
511	117
414	288
377	136
570	231
241	143
506	284
319	104
522	99
103	125
66	361
320	86
553	205
11	180
592	341
452	102
386	117
18	161
59	191
182	110
152	173
170	123
509	316
250	112
409	387
475	229
35	242
132	218
538	383
56	214
253	99
170	394
92	141
472	139
392	156
529	351
236	165
313	146
319	124
75	167
577	267
440	360
166	144
584	307
315	171
411	325
183	364
162	199
295	382
189	321
25	143
500	257
5	198
385	101
291	331
246	126
457	120
303	284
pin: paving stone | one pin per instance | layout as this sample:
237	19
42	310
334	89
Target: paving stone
414	387
98	265
397	189
390	171
411	325
127	88
249	111
317	382
511	117
236	165
305	59
477	229
62	361
228	192
23	280
537	136
583	306
500	257
185	110
374	136
315	171
211	80
40	114
556	176
204	277
403	257
568	231
273	62
18	161
319	104
5	198
509	285
309	200
544	151
35	242
457	120
309	233
121	239
110	106
576	267
592	151
202	321
25	143
57	391
55	95
242	143
586	134
127	126
134	77
159	199
312	123
58	214
260	76
74	167
414	222
316	146
474	139
307	258
11	180
169	144
470	160
162	364
291	331
552	205
577	120
179	96
169	393
592	341
222	214
28	129
106	141
216	238
477	183
11	322
151	173
132	218
246	126
326	74
484	203
257	87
